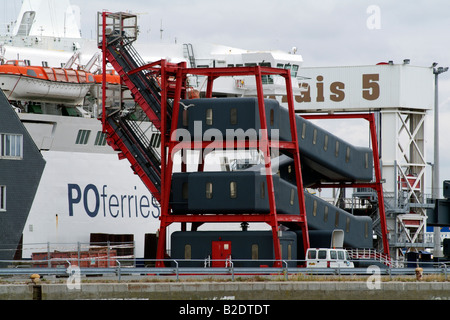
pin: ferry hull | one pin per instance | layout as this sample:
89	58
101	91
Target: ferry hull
79	196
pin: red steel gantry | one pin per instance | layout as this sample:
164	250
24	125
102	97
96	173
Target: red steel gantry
172	80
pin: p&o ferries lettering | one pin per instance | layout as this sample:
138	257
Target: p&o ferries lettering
95	202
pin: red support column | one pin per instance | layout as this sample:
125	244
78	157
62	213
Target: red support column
297	164
104	70
265	147
378	184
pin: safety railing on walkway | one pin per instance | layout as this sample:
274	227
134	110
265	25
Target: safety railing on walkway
178	268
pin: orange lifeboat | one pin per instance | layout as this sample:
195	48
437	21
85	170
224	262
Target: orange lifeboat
111	77
20	81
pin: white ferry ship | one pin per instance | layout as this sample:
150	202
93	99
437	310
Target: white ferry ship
84	188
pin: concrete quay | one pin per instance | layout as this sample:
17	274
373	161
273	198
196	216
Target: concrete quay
240	290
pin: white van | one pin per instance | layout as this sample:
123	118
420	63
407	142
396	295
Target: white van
328	258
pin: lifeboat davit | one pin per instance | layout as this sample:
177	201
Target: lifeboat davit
22	82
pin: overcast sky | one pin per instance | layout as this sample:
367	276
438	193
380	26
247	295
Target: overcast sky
325	32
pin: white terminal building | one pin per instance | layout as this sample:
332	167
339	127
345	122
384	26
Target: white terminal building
403	97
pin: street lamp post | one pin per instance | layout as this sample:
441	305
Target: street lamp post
435	184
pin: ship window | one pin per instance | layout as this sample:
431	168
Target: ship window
233	116
366	230
11	146
367	160
209	117
347	225
45	64
100	139
83	136
336	151
2	198
209	190
325	214
315	136
294	70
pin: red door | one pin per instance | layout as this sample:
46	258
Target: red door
221	250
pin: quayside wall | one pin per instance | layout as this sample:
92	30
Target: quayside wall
242	290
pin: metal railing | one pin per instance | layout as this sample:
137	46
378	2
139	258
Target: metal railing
177	268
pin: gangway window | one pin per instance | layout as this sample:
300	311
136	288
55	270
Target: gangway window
187	252
209	190
255	252
233	190
315	136
325	144
233	116
303	130
292	197
315	208
185	191
209	117
336	151
347	155
325	214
